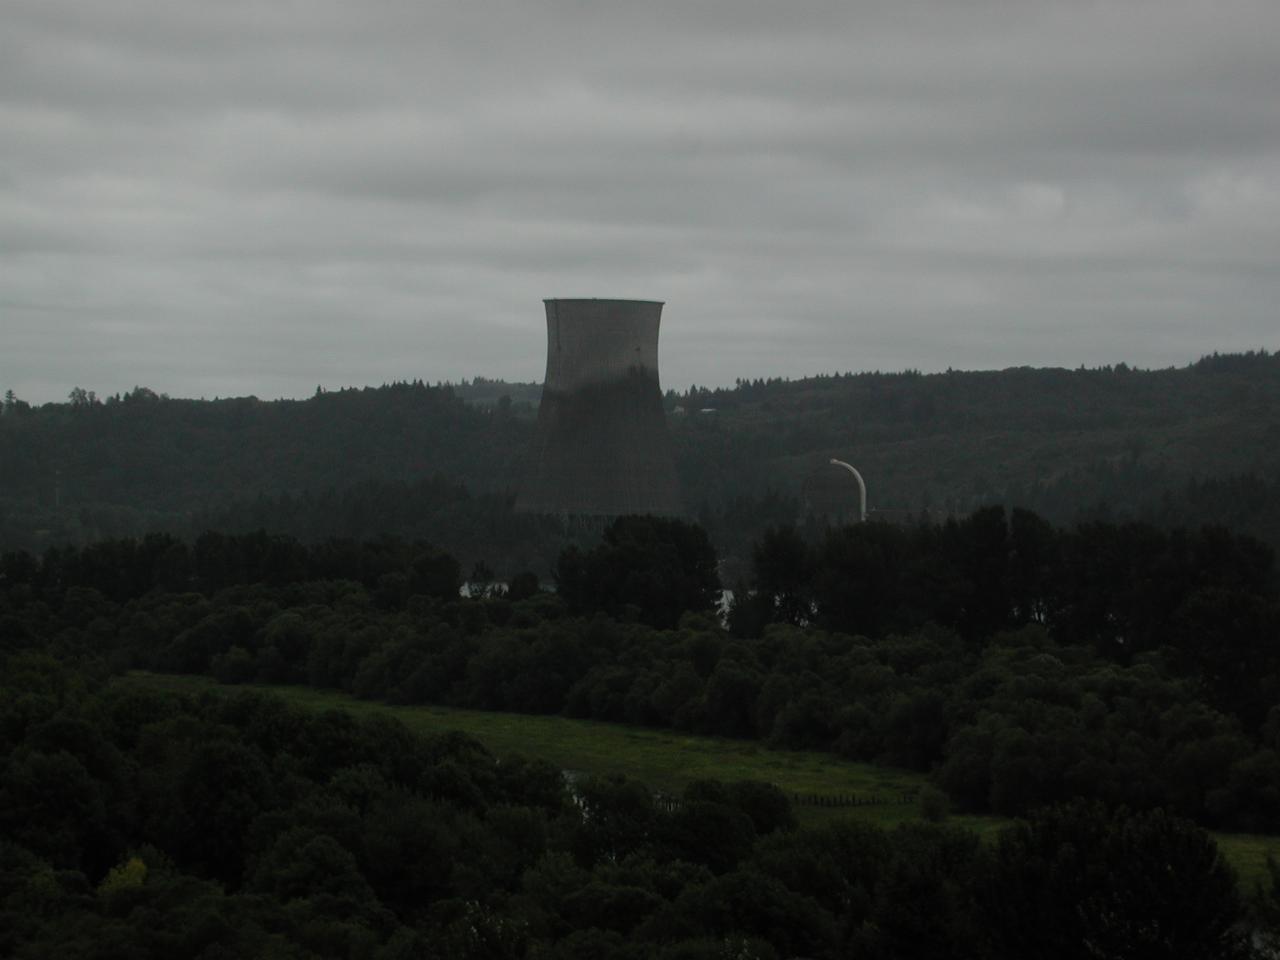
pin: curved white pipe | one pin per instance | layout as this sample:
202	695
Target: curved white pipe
862	488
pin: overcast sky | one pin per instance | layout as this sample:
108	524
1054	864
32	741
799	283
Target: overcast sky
228	197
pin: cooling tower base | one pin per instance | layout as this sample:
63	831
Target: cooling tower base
602	453
601	447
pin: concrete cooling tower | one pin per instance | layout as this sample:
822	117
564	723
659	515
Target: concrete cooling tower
601	447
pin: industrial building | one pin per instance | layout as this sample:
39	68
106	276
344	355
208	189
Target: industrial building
601	447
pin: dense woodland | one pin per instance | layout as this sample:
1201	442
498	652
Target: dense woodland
1026	666
136	825
1177	447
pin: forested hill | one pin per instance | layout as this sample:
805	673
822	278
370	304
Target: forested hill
142	461
1186	445
1058	441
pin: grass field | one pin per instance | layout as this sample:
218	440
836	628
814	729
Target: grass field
668	760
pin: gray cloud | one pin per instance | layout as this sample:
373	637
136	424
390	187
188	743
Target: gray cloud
256	197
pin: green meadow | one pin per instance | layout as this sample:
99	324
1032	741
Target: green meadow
819	784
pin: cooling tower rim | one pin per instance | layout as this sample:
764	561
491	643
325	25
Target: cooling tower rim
598	300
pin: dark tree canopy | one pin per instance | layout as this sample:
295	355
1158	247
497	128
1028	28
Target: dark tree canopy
651	569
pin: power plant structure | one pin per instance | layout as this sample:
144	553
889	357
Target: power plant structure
601	448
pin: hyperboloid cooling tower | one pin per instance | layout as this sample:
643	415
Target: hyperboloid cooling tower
601	447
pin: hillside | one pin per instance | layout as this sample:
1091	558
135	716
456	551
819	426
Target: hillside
1056	440
1186	445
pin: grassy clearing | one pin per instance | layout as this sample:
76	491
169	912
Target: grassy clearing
1247	853
663	759
668	760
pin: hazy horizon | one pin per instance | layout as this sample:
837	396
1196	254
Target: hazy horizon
469	379
236	199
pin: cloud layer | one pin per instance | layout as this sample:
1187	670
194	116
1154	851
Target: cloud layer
259	197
